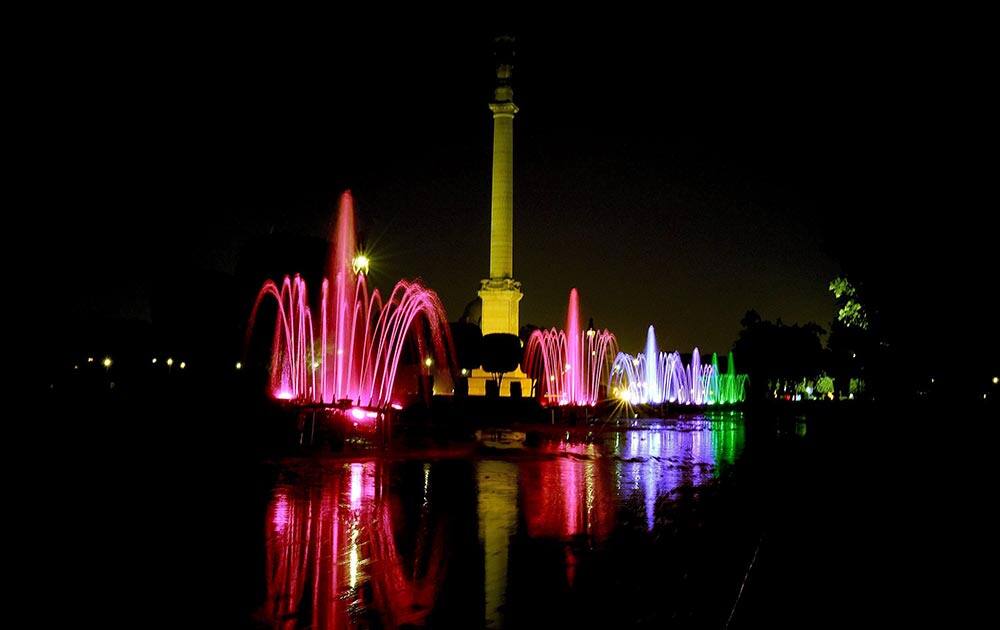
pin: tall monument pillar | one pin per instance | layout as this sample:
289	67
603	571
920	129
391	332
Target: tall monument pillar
500	293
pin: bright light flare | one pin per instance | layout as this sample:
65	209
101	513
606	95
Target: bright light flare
361	264
362	414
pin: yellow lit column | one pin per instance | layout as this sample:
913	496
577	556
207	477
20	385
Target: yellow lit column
502	208
500	293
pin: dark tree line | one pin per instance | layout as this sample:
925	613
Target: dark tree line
773	352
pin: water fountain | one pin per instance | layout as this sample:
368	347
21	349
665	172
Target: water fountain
570	365
654	377
351	353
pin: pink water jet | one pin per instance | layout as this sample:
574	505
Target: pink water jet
570	365
353	351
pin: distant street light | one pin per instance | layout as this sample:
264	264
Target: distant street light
361	263
428	361
182	365
239	366
106	362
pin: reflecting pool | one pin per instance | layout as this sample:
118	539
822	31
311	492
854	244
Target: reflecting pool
576	528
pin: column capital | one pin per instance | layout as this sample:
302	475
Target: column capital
500	284
503	108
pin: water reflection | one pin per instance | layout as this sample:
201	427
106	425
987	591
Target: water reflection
567	491
332	557
383	543
652	464
497	512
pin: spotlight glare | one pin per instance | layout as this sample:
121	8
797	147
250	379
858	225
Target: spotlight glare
361	264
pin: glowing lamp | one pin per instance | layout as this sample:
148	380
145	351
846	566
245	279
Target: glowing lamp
396	406
361	414
428	361
996	379
283	394
170	361
361	263
182	365
106	362
239	366
154	360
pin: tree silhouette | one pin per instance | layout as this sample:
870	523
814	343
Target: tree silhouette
773	353
501	353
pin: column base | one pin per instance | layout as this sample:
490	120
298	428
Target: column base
478	379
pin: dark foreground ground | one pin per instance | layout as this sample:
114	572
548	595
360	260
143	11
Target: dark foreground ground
146	510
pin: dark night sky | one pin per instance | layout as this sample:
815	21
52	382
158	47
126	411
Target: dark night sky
677	173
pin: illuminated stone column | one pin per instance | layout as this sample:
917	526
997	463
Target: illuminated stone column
500	293
502	207
500	306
